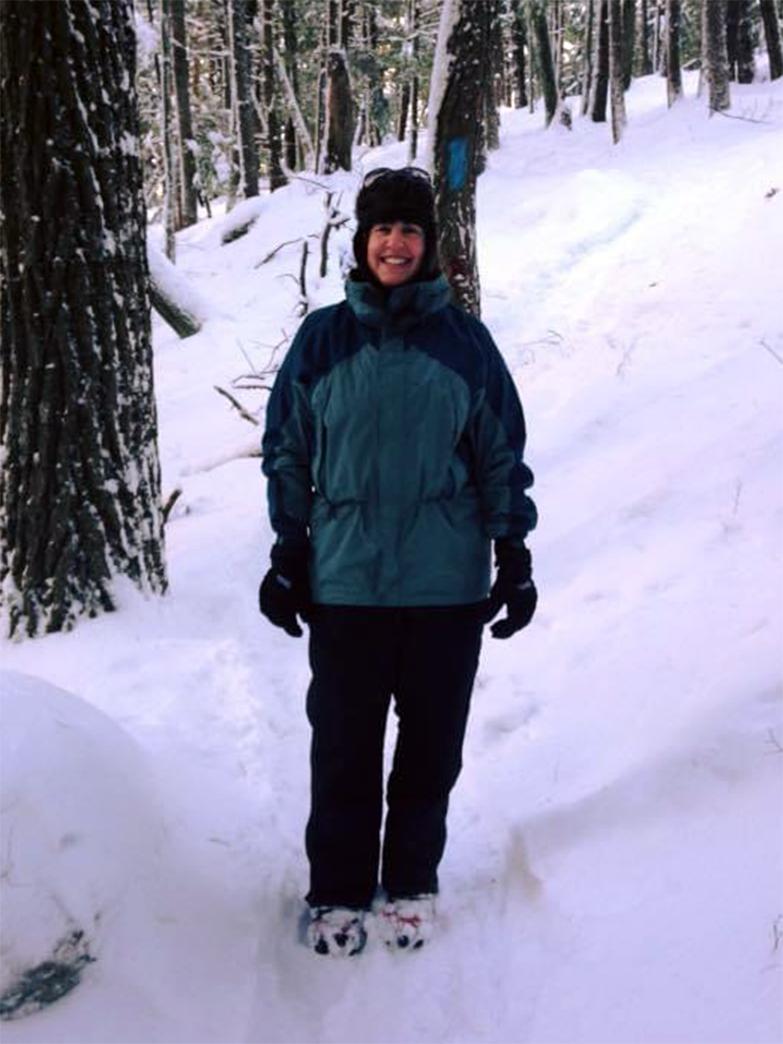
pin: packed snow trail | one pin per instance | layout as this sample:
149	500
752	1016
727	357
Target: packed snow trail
614	864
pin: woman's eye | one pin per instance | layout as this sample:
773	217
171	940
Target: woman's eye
412	230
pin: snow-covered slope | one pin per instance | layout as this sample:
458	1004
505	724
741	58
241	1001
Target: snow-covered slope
615	862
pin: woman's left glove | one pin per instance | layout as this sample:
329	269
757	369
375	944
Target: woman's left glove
513	588
285	591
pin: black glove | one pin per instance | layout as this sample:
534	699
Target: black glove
285	590
513	588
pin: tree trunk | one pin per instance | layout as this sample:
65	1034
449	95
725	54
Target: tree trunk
296	118
519	42
455	120
274	145
413	141
739	40
587	62
490	10
673	70
163	297
714	58
186	145
171	209
629	40
405	100
295	148
600	90
616	68
657	43
646	63
339	114
243	98
546	67
347	23
732	34
80	484
772	35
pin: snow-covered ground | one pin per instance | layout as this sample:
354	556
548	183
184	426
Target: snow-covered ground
615	866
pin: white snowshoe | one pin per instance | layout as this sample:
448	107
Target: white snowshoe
406	924
336	931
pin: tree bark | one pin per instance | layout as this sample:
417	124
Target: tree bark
413	140
490	10
80	484
405	100
455	130
546	66
714	58
587	61
277	177
295	146
187	160
519	42
673	70
339	114
616	68
600	87
739	41
646	66
629	40
171	202
772	35
242	96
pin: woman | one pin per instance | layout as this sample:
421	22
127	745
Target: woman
393	453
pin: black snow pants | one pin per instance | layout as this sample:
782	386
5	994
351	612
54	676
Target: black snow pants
427	659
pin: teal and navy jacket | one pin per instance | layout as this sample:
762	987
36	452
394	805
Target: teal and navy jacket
393	449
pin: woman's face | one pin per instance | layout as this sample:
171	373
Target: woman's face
395	252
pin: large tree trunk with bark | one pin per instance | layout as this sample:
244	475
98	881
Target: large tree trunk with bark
600	86
188	204
616	67
80	485
772	35
714	57
455	123
242	88
673	69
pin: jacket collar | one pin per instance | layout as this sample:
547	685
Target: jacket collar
401	308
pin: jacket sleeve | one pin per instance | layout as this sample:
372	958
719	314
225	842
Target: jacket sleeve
287	448
498	445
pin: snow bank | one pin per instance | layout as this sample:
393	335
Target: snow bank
79	825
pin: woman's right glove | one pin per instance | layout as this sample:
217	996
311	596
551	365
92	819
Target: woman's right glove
285	590
513	588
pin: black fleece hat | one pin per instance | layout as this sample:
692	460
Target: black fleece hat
396	195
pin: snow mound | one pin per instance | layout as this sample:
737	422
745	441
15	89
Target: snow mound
78	827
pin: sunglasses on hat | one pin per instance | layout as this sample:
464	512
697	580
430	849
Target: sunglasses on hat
407	173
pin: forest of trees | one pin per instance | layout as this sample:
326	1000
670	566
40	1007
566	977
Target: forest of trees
114	116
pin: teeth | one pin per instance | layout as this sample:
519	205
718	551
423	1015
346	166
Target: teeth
395	260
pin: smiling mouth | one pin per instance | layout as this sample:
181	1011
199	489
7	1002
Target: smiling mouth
399	261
